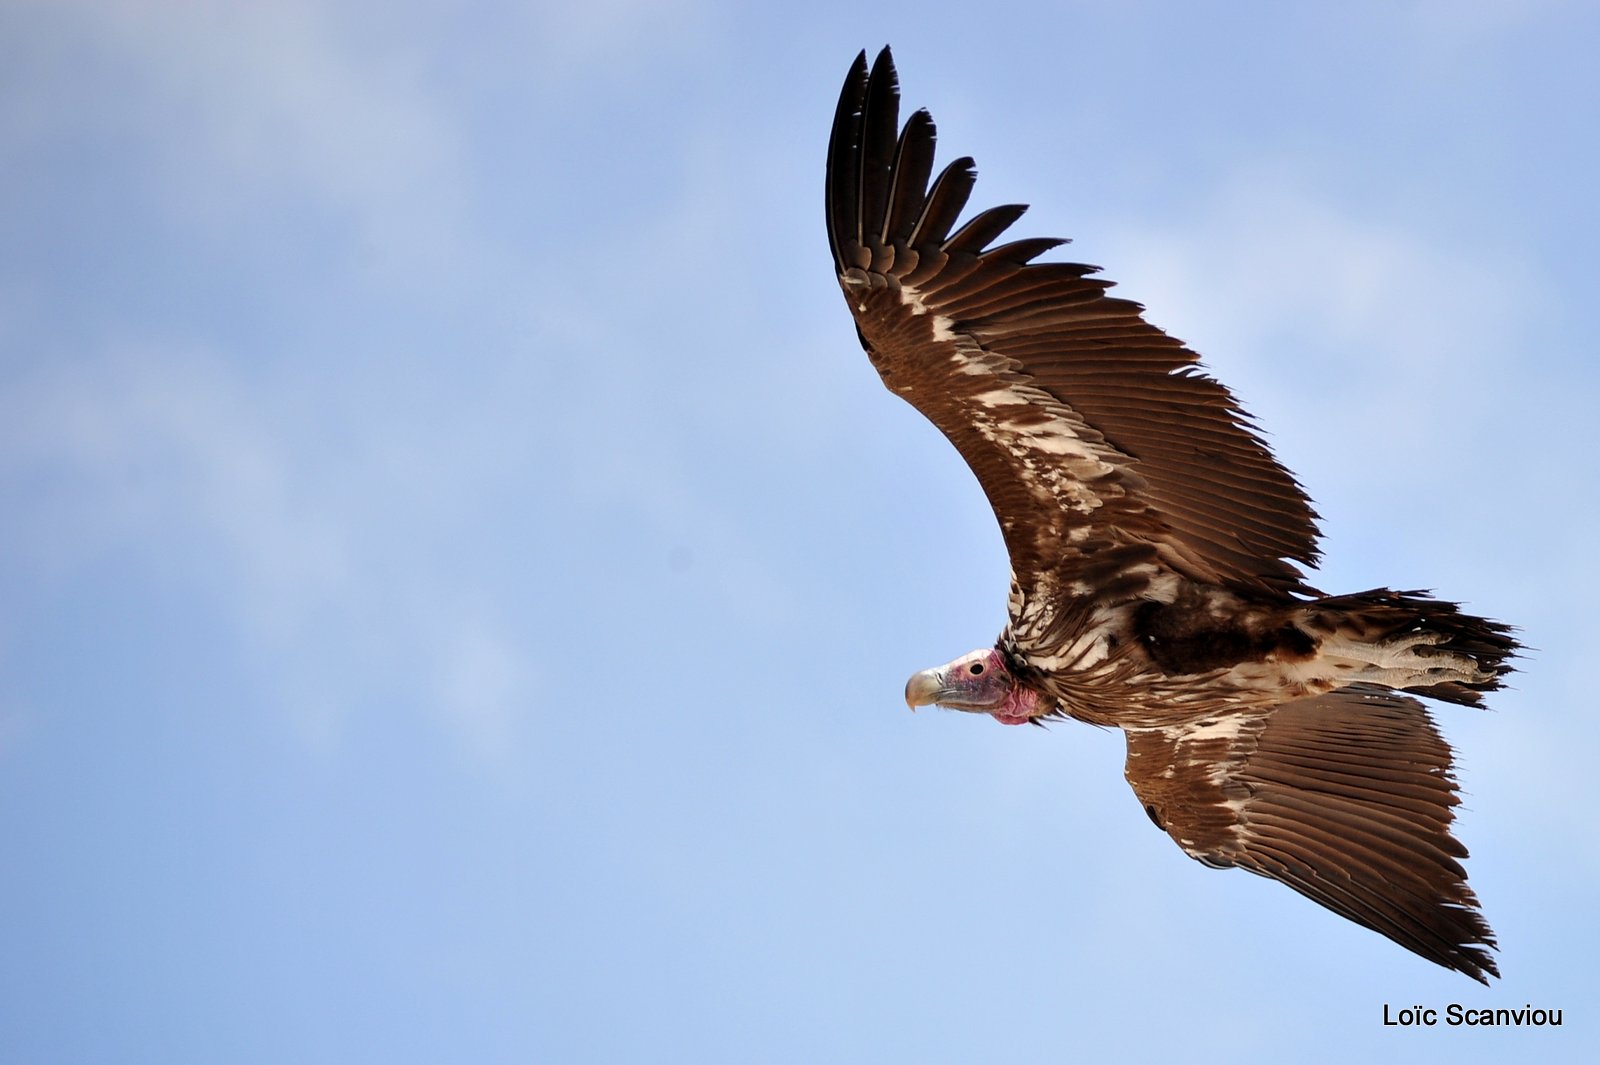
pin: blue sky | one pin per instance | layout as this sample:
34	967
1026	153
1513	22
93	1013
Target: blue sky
460	570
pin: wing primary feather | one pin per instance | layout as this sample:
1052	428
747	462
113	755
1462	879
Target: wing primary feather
945	201
879	119
1025	250
982	228
913	165
1445	936
843	191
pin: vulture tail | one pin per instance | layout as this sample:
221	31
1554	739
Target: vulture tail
1413	642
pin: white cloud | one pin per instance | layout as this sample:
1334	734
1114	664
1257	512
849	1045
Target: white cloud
1271	261
1444	27
242	106
569	36
482	682
168	458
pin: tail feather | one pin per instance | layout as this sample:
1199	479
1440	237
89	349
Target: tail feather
1420	644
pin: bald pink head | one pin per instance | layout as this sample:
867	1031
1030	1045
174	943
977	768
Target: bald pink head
978	683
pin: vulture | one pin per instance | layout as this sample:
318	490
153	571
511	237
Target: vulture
1156	547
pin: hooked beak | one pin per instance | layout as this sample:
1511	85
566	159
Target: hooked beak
923	688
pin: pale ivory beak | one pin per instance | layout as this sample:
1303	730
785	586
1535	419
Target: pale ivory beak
923	688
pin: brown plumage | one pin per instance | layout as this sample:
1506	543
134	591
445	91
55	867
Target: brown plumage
1156	546
1345	797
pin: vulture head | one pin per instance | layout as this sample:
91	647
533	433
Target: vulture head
979	683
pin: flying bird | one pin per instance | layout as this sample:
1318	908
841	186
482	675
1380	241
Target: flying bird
1156	547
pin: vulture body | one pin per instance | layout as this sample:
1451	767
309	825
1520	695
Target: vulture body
1155	546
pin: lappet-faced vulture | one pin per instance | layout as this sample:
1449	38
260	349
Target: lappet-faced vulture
1156	548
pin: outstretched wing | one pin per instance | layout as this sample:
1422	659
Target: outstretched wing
1100	445
1346	797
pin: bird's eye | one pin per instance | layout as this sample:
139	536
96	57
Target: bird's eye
976	669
